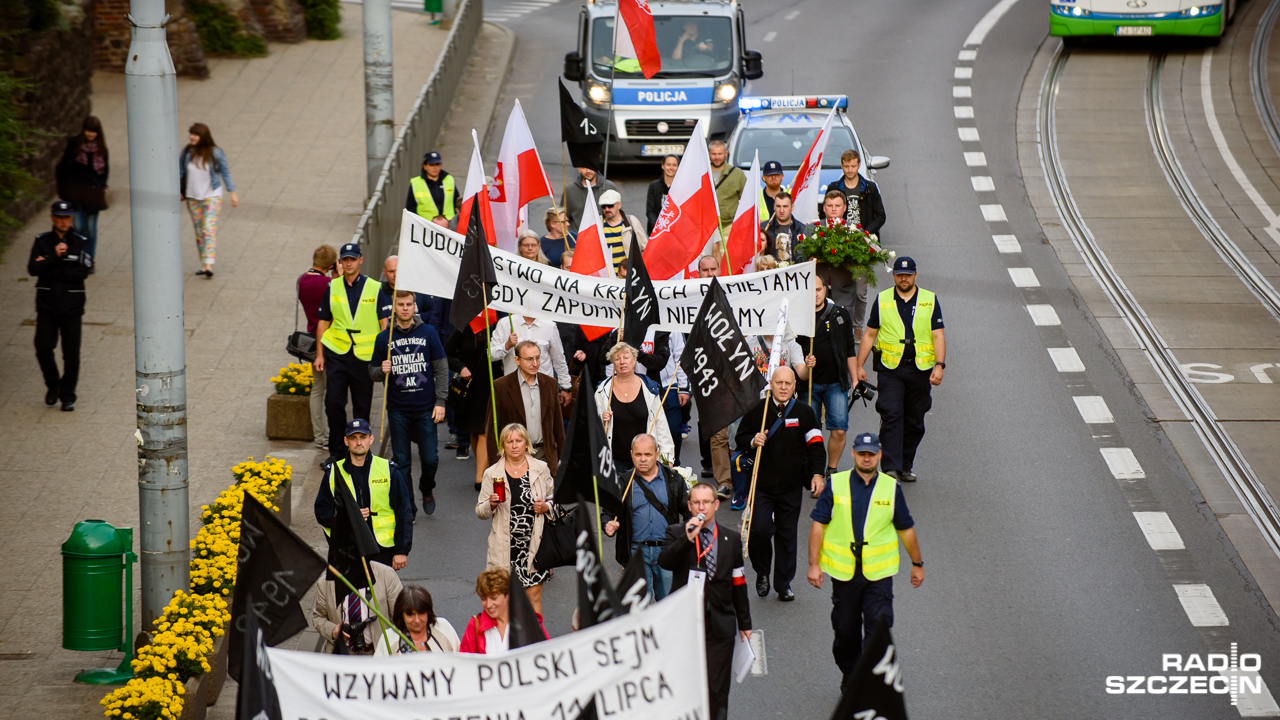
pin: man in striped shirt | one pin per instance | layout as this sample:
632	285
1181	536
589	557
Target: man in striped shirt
619	227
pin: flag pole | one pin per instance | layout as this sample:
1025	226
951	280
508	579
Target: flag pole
595	485
373	607
613	74
813	337
654	423
386	379
493	399
755	471
564	183
374	597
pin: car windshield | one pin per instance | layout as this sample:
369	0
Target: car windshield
789	145
697	46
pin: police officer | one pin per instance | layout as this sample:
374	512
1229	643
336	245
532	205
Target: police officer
379	488
434	194
60	260
346	341
905	330
771	173
857	523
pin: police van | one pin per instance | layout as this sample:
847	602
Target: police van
705	66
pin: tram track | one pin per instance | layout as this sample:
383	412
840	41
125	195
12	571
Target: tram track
1258	84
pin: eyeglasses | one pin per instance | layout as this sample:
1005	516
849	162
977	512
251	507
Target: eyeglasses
699	503
534	359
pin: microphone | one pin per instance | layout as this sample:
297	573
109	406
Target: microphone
702	517
696	521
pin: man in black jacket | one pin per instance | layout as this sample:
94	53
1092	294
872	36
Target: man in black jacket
60	260
791	433
706	552
833	363
865	207
658	497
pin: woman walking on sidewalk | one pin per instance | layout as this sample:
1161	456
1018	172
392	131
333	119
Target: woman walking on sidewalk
82	178
203	170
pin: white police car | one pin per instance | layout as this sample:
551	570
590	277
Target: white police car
783	128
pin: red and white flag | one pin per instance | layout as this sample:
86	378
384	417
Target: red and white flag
690	217
635	37
518	180
744	234
474	191
806	189
590	256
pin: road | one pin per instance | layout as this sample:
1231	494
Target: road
1040	583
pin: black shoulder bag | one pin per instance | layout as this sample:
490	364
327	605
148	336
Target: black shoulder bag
301	344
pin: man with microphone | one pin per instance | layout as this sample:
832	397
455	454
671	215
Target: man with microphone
702	551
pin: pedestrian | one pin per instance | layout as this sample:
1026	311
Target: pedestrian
791	461
312	286
857	523
380	488
714	447
346	342
791	355
729	182
486	632
905	331
433	194
335	606
771	173
557	241
864	206
414	614
763	262
619	227
411	355
511	331
658	498
782	232
530	247
515	496
202	172
82	178
566	260
575	196
703	551
528	397
438	318
832	366
842	287
656	196
60	261
426	303
468	353
628	406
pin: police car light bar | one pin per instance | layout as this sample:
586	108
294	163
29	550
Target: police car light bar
777	102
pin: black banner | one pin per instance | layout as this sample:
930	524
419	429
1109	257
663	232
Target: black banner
642	299
523	628
722	372
874	687
576	129
587	458
476	278
597	601
256	697
633	589
351	540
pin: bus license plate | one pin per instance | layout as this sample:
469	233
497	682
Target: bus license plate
661	150
1133	30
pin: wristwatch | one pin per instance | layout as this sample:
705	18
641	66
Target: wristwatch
941	365
918	564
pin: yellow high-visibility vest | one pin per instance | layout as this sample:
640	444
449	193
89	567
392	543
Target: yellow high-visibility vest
362	327
880	548
380	510
427	204
891	334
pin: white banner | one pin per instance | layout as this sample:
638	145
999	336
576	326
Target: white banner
430	255
648	664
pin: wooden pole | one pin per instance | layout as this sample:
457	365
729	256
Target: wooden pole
373	597
372	607
755	472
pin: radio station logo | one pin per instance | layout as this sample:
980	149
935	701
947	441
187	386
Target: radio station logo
1234	674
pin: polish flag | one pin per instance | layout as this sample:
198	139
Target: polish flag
690	217
475	190
635	38
744	234
590	256
518	180
806	188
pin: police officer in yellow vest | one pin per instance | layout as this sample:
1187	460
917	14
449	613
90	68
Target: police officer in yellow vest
434	194
379	487
905	331
771	173
351	315
857	523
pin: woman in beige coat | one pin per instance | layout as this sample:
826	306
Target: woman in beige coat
515	493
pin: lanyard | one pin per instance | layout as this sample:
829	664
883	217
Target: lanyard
697	543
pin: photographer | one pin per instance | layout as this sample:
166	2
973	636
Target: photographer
344	621
832	363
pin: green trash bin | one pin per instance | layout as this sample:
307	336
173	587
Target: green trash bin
97	596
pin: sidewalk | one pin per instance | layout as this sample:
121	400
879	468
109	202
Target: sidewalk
292	125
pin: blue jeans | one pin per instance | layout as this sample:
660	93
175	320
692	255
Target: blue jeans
836	401
407	427
86	224
659	580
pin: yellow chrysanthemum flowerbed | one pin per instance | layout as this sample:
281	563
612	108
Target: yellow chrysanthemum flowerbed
294	379
189	625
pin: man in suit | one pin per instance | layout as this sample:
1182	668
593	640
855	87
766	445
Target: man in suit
530	398
703	551
336	606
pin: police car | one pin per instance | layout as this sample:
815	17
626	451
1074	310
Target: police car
783	128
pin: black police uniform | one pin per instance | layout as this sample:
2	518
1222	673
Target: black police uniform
904	392
60	302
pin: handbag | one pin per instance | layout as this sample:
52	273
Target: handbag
559	546
458	387
301	344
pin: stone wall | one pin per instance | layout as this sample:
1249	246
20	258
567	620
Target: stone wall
112	37
281	20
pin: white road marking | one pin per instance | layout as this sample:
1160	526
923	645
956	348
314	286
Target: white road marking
968	55
1007	244
1066	359
975	159
995	213
963	73
769	36
1122	463
983	183
1094	409
1260	372
988	21
761	664
1250	704
1201	606
968	134
1159	531
961	91
964	111
791	15
1043	315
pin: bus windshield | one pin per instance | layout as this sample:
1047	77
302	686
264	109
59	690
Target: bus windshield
788	146
689	46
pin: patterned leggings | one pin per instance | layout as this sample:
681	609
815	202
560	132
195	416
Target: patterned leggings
204	216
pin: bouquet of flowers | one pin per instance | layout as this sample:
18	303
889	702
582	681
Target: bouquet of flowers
838	245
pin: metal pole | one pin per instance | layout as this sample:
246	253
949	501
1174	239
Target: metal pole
379	103
158	341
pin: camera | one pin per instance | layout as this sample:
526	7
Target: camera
864	391
352	640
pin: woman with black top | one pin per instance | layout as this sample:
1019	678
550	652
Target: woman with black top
659	188
628	408
468	351
82	179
